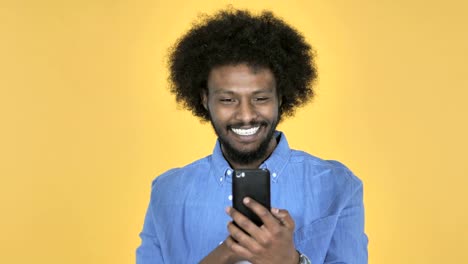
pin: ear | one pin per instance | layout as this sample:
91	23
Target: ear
204	98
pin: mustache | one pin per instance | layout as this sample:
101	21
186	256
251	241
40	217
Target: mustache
253	124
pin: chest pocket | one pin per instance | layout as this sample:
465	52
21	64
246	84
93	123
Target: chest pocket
316	235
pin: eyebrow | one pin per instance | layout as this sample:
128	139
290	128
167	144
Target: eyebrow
221	91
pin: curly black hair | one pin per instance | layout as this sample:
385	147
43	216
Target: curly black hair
231	37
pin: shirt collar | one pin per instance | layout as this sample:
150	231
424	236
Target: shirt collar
277	161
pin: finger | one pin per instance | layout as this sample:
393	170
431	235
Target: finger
284	217
240	236
243	222
237	249
262	212
258	236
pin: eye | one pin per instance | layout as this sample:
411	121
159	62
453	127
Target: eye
226	100
261	99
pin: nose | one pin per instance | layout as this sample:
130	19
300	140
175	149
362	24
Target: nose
246	112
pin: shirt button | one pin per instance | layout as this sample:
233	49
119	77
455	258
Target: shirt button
274	174
230	197
221	179
229	172
221	242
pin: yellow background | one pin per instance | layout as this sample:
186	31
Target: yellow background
87	121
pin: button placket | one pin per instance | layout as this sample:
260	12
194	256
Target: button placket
275	176
228	189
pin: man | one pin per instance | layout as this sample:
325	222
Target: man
244	73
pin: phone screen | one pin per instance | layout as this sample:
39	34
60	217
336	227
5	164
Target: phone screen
254	183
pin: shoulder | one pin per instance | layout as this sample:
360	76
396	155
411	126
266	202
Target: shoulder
179	177
317	167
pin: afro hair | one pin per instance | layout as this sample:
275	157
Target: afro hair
232	37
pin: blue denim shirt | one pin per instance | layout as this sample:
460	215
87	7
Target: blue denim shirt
185	220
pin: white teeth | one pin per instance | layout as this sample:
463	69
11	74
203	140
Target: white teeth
245	132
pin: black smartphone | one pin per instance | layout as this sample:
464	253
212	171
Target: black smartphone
254	183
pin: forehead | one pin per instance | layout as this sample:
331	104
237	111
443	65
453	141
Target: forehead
241	77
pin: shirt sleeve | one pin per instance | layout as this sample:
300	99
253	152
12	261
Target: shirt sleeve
348	243
338	238
149	251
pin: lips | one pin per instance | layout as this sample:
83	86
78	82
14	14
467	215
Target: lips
245	131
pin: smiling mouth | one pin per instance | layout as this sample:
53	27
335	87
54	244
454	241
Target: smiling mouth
245	132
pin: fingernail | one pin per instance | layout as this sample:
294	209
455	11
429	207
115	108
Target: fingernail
275	210
246	200
227	209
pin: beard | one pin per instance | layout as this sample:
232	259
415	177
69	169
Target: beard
246	157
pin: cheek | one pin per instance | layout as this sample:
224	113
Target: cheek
219	116
270	113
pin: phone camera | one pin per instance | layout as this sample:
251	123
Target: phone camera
240	175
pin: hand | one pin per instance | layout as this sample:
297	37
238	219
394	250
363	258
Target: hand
270	243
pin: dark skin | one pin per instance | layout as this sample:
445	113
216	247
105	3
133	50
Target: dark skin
270	243
239	94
